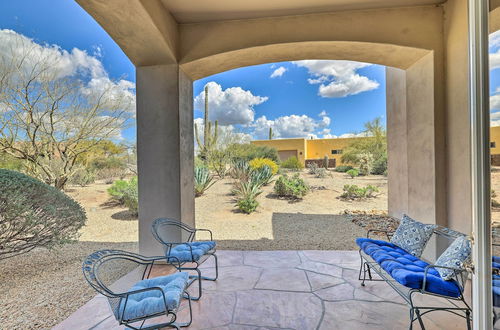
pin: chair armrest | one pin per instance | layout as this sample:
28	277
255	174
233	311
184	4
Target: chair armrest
207	230
129	293
456	272
388	233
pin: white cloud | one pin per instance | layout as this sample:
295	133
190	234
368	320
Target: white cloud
495	60
75	63
230	106
278	72
494	39
293	126
338	78
227	134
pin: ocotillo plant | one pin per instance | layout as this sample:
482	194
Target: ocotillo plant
209	138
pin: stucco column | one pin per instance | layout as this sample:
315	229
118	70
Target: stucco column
164	150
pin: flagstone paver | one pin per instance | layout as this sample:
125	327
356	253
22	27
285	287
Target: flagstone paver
283	290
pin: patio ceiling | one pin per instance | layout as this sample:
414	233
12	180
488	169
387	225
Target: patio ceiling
194	11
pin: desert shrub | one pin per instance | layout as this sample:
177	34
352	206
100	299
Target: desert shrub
34	214
247	152
107	163
83	177
246	193
355	192
218	161
343	168
493	197
313	168
109	175
202	180
10	162
353	173
261	176
247	205
258	163
126	193
321	173
293	187
380	166
365	162
292	163
240	170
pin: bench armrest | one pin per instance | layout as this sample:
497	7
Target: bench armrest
388	233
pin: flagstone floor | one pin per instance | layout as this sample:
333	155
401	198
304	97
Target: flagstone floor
284	290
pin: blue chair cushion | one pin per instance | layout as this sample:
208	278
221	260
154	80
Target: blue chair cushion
405	268
183	252
496	282
412	236
143	304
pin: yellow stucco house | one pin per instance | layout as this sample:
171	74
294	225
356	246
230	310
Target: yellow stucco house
316	149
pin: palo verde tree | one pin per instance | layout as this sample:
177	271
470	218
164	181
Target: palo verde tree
56	106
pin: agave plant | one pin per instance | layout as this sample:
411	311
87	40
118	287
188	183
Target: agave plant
202	180
246	189
241	170
262	176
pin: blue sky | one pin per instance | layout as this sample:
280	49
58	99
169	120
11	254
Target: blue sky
302	98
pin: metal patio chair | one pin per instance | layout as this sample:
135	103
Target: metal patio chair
190	254
137	301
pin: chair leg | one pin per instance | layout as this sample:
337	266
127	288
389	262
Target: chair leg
419	318
195	278
467	318
216	270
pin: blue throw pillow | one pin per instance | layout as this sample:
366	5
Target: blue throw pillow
412	236
455	256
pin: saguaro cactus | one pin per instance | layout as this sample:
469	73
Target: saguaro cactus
271	135
209	138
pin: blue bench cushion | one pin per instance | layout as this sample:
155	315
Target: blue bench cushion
405	268
150	302
496	282
183	252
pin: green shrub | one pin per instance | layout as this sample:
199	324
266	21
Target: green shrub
107	163
202	180
356	192
365	162
353	173
380	166
247	152
247	205
83	177
493	197
34	214
343	168
246	193
293	187
313	168
218	161
258	163
292	163
126	193
10	162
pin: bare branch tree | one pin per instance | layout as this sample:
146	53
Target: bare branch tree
49	117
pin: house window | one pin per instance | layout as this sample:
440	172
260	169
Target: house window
493	144
336	151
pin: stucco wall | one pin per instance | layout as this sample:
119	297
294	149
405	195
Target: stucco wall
286	144
319	148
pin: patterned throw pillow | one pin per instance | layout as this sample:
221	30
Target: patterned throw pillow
412	235
455	256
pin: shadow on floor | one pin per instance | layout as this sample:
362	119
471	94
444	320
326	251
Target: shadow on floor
298	231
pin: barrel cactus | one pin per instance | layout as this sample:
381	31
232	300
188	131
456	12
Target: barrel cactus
34	214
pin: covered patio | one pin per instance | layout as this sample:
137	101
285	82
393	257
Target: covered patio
434	131
284	290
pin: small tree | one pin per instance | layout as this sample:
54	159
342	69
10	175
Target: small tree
50	119
34	214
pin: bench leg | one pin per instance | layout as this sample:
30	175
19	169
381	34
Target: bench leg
467	317
419	318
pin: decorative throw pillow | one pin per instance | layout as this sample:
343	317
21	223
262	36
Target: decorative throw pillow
412	235
455	256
